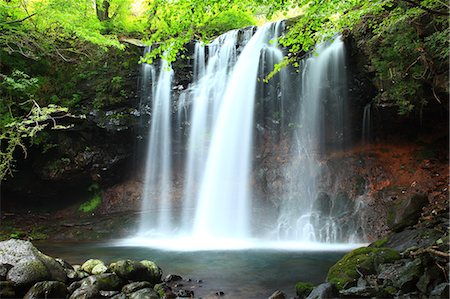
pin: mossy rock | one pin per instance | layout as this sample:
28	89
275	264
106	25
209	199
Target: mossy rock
90	264
137	271
379	243
303	289
365	259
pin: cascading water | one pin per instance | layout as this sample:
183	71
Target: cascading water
367	124
216	114
158	174
307	213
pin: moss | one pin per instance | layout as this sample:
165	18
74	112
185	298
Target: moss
365	258
303	289
160	289
379	243
38	236
390	290
91	205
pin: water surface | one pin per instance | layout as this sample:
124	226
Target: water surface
250	273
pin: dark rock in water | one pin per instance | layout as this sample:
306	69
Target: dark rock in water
29	264
360	292
220	293
324	290
135	286
47	289
278	295
146	293
120	296
323	204
412	238
104	282
173	277
303	289
7	289
137	271
408	213
4	268
109	294
86	292
441	291
185	293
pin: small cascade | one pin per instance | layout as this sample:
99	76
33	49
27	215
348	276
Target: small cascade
158	173
307	214
367	124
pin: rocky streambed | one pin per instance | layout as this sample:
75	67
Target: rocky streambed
26	272
409	263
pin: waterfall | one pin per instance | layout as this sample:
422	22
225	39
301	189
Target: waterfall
213	122
158	174
367	124
307	214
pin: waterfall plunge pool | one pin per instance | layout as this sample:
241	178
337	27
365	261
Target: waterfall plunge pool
240	271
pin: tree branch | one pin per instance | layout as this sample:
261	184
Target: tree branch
419	5
19	21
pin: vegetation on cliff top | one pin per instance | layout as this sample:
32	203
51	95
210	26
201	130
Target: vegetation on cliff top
406	43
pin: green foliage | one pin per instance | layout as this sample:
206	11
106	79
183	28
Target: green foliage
226	21
95	201
91	205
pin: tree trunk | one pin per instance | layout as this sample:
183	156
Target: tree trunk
102	8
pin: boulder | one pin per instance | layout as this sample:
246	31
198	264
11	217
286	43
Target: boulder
135	286
324	290
29	265
137	271
146	293
99	269
90	264
278	295
360	292
86	292
47	289
104	282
